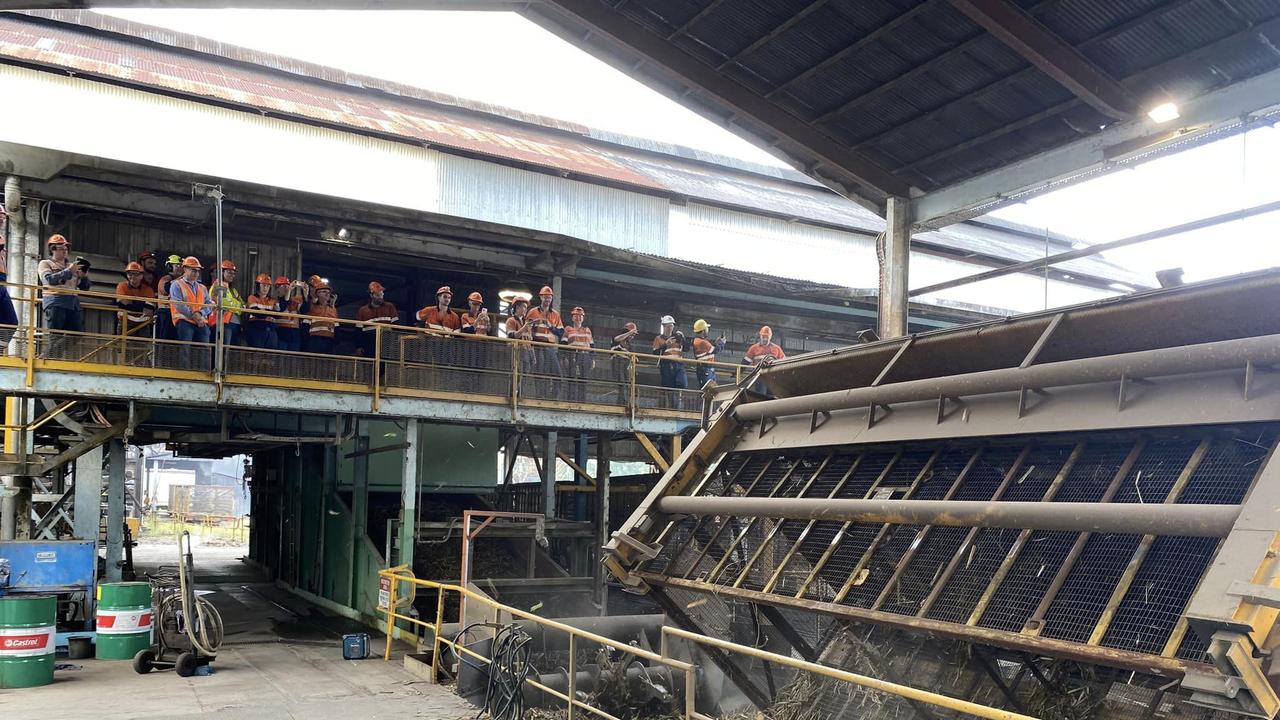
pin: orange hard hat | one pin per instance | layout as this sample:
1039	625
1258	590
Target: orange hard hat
766	331
577	311
443	289
475	297
228	265
323	286
315	281
282	280
630	326
192	262
376	286
546	290
263	278
57	240
133	267
520	301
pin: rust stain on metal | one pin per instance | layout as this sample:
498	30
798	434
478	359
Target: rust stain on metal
265	90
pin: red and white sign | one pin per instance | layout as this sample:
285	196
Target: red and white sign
122	622
22	642
384	592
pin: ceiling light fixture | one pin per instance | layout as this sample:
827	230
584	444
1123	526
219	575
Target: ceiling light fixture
1164	112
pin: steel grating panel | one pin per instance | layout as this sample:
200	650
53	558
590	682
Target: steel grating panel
1120	591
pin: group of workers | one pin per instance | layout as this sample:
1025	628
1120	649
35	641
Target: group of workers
297	315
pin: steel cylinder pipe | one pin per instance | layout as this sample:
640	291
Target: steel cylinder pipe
1146	364
1145	519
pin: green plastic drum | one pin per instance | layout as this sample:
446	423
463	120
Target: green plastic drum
27	640
123	619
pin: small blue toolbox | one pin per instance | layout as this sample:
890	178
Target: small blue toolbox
355	646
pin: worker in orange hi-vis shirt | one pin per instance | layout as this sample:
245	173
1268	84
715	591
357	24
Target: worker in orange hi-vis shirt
378	312
764	352
705	351
578	337
320	321
475	311
260	329
548	328
439	316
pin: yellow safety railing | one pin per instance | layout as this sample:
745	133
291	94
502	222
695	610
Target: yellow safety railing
401	361
398	575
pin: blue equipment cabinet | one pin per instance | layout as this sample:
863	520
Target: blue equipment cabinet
52	567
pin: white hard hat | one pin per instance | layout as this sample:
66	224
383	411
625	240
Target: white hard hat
668	320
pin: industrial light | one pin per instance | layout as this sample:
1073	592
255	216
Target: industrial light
1164	112
343	233
511	295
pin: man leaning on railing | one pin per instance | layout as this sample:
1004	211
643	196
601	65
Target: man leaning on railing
191	308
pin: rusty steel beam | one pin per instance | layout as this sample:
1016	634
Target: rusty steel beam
1145	364
1050	54
1110	657
1183	520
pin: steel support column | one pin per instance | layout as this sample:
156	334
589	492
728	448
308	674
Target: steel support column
86	511
409	493
895	258
603	453
115	510
549	475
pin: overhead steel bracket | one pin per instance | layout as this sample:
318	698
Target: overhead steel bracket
1240	685
815	422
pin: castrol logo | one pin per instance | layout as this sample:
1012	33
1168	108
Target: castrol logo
20	642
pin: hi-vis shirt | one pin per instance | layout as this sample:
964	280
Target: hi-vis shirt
757	352
433	318
579	337
384	314
266	302
669	346
545	325
705	350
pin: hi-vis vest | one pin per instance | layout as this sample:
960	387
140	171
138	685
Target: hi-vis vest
193	299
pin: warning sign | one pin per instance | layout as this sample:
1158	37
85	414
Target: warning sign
384	593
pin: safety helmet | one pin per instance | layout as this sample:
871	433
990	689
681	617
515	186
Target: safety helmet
475	297
376	287
263	279
766	331
520	301
630	326
133	267
173	260
577	311
57	240
442	290
228	265
282	280
192	262
545	291
668	320
315	281
700	325
323	286
145	255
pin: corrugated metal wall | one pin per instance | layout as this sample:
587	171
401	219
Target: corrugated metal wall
497	193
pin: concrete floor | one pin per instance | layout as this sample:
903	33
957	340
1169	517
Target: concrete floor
282	658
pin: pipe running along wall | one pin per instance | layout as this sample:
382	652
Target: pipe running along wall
1151	519
1146	364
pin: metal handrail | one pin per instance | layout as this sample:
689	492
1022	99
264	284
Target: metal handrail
397	575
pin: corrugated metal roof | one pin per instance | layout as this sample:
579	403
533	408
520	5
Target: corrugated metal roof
121	51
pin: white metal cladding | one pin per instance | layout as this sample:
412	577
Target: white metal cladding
497	193
103	121
706	234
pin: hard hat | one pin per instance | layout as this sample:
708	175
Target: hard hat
228	265
546	290
578	311
173	260
766	331
315	281
475	297
57	240
700	325
376	287
145	254
520	301
192	262
263	279
668	320
133	267
282	280
630	326
442	290
323	286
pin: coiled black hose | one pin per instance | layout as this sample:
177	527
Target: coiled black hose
510	667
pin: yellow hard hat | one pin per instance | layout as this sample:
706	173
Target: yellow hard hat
700	325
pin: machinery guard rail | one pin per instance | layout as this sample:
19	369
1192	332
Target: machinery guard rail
397	576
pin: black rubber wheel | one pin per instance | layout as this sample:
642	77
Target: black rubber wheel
185	665
142	661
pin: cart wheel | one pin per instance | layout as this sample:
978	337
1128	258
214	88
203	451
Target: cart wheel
185	664
142	661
